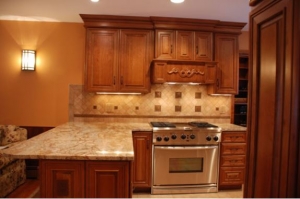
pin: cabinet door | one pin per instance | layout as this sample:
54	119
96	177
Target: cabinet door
226	54
108	179
203	46
273	122
185	45
142	142
101	60
62	179
135	60
165	44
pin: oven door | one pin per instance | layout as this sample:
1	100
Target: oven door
185	165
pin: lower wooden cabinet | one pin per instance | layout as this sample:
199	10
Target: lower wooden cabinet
62	179
85	179
142	142
232	159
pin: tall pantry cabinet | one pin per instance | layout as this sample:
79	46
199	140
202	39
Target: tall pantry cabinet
273	153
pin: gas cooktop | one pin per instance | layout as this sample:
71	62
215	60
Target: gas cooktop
180	125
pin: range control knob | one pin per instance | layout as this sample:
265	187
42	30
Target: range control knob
192	136
166	139
208	138
173	136
216	138
158	138
183	136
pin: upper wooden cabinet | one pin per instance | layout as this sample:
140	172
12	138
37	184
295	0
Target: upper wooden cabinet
165	44
183	45
227	56
119	51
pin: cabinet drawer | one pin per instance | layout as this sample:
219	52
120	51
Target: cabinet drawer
234	137
231	176
233	149
233	161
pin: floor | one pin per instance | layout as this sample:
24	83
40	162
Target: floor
220	194
30	189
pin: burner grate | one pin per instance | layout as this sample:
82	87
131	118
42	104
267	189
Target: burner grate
202	124
163	124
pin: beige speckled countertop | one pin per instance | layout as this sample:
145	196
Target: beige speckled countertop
86	141
81	141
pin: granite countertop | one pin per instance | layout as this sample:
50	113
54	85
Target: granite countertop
230	127
81	141
86	141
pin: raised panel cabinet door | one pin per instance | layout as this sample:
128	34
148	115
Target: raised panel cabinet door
273	122
135	59
142	142
185	45
109	179
226	54
158	72
210	75
203	46
101	60
62	179
165	44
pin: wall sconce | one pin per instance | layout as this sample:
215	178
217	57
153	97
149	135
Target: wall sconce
28	60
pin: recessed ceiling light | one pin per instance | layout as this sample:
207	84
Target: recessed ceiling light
177	1
94	0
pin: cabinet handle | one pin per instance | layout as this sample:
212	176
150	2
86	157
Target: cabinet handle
171	49
197	50
121	80
217	83
114	80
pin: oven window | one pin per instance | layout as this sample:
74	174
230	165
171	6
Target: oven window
185	165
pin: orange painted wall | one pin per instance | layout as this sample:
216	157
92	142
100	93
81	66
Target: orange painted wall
39	98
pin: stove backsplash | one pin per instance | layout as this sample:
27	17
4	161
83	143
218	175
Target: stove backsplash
164	102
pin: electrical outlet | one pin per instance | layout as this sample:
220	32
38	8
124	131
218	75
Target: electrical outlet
109	108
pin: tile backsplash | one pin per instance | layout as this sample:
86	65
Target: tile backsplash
175	102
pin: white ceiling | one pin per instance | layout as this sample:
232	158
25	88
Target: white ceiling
69	10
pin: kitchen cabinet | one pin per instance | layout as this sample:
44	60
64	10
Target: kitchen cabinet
142	164
85	179
226	54
62	179
232	159
119	51
183	72
183	45
273	115
165	44
118	60
240	101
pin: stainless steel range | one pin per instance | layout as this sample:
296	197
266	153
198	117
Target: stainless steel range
185	157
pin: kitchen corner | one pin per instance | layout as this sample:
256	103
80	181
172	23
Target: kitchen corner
85	153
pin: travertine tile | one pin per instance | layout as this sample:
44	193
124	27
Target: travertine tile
164	95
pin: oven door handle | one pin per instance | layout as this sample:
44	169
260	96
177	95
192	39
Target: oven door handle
186	147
